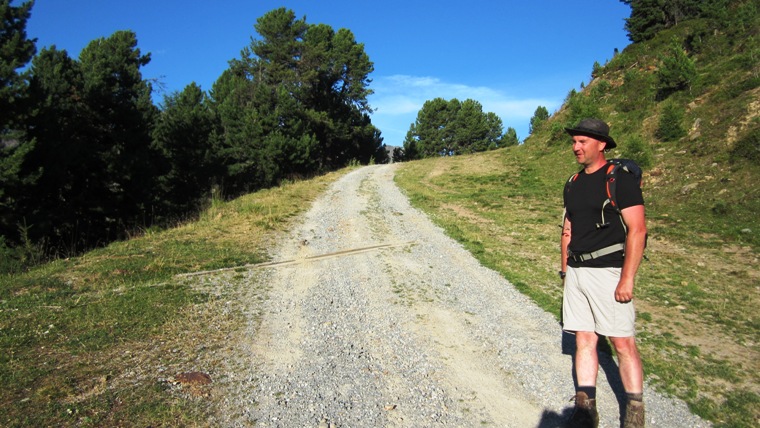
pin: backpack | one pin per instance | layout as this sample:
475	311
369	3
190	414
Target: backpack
613	167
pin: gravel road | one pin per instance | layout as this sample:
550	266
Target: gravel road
373	317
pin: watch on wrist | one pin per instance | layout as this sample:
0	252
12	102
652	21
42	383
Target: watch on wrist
562	275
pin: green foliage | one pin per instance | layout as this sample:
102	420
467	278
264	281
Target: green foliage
637	149
581	105
16	259
637	91
510	137
445	128
748	147
17	50
669	127
86	169
677	71
185	134
596	70
398	155
649	17
94	159
539	116
295	103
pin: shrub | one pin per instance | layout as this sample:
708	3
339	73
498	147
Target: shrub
596	71
636	91
748	147
637	149
600	89
677	71
558	134
669	127
9	262
582	105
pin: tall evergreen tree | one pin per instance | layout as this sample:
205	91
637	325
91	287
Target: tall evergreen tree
494	131
510	137
88	167
122	117
295	102
16	50
185	134
469	125
231	98
648	17
61	171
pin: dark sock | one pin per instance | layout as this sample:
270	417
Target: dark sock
589	390
635	397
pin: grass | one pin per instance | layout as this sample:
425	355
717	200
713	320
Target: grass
696	295
95	340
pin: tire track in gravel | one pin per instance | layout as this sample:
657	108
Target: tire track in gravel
397	327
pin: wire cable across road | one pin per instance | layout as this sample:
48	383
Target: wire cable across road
348	252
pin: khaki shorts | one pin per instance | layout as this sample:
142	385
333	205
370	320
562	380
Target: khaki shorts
589	304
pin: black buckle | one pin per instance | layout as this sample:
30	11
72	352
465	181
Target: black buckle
580	257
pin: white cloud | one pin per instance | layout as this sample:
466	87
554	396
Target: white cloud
398	98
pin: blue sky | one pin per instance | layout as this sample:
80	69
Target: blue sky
512	56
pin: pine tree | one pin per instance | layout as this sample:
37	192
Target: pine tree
17	50
185	134
539	116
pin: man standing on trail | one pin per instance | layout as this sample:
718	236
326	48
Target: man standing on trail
599	263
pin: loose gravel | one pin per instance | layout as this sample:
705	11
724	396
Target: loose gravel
375	318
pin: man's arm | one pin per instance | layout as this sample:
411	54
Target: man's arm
635	222
564	242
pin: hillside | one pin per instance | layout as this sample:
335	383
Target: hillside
699	144
697	293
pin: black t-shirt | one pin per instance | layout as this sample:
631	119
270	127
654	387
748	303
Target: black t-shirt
583	203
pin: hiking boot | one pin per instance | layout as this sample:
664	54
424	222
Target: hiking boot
634	414
584	414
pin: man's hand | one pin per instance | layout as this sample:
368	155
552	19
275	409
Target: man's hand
624	291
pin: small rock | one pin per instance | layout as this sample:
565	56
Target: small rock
688	188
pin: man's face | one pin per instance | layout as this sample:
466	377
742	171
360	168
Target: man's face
587	150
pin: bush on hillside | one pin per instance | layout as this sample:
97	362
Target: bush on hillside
677	71
669	127
748	147
637	87
581	105
539	117
637	149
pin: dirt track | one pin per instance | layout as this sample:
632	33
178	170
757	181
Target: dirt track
374	317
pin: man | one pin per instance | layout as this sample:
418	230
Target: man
601	251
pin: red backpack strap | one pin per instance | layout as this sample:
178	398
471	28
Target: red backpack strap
611	182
